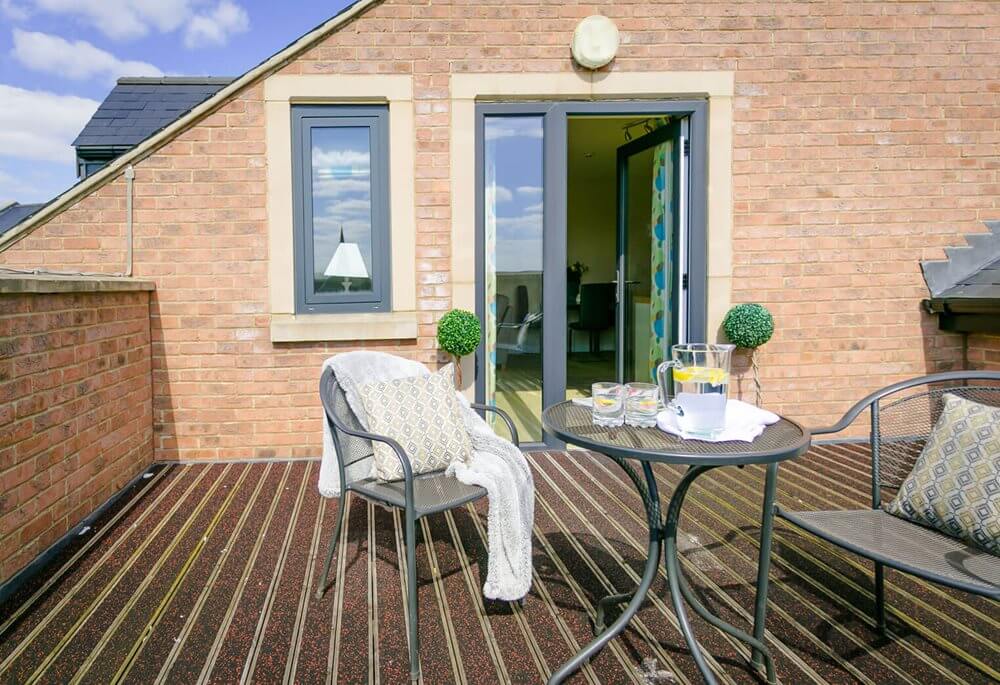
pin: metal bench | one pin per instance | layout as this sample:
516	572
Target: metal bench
902	417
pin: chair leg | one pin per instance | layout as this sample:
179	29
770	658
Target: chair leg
333	545
411	597
880	599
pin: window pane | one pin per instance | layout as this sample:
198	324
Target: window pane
342	209
513	222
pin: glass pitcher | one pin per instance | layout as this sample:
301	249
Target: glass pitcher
701	385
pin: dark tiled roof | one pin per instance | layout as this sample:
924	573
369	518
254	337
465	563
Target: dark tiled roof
138	107
13	214
984	283
968	271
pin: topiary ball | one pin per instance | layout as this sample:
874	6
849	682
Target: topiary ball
459	332
748	325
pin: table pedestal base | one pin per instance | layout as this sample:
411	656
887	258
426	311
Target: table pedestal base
680	591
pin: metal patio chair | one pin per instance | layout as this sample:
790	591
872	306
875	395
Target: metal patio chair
902	418
417	495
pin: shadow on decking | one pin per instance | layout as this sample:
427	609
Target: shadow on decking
205	573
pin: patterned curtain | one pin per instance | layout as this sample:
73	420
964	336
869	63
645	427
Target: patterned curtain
490	228
663	268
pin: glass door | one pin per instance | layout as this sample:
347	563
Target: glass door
512	164
650	271
565	215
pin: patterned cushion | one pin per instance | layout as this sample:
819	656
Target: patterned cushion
955	484
423	415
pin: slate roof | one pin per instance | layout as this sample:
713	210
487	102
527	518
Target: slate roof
138	107
984	283
12	214
970	271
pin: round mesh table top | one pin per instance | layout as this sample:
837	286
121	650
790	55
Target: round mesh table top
572	423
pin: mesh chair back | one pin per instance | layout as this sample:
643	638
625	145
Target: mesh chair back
349	448
904	420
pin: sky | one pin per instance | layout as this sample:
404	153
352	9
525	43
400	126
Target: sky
60	58
513	167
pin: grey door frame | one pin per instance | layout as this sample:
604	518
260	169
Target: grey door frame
554	218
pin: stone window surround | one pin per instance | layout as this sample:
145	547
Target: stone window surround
716	86
280	93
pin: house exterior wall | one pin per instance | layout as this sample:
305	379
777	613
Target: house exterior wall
984	352
865	138
75	411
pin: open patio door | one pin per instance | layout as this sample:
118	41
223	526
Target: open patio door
651	272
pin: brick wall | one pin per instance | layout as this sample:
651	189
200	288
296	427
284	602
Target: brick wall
75	411
866	138
984	352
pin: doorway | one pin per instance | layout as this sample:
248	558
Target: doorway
590	246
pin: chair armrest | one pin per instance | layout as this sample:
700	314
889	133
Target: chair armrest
404	460
503	415
827	430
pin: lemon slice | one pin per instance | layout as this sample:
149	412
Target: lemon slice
701	374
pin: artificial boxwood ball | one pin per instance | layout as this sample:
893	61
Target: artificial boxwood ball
459	332
748	325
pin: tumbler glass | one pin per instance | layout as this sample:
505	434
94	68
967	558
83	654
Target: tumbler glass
608	407
641	404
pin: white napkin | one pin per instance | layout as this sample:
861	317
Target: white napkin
744	422
584	401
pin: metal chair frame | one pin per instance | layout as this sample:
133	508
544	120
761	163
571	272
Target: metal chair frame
874	402
339	428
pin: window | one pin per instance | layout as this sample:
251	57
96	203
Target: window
340	157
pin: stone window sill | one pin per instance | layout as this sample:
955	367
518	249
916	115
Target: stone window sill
340	327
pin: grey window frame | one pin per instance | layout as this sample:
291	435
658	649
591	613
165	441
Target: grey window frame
305	118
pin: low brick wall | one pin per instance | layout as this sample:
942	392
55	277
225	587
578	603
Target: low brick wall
75	404
984	352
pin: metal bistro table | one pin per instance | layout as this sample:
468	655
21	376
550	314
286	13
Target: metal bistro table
779	442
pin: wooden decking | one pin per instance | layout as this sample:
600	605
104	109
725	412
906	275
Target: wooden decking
205	574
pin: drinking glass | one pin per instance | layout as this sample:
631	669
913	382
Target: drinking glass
701	385
641	404
608	408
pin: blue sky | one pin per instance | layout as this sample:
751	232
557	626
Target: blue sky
60	58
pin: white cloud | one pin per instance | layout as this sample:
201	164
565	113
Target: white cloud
77	60
202	23
513	127
522	227
529	190
216	27
335	187
340	158
534	209
13	10
124	19
500	194
35	124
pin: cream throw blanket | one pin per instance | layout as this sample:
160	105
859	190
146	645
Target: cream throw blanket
497	466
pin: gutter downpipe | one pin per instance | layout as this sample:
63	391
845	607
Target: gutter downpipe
129	183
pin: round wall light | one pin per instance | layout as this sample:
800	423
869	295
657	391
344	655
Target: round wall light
595	42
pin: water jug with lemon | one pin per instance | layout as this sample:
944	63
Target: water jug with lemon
701	385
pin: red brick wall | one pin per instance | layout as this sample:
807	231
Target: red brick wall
866	138
75	411
984	352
